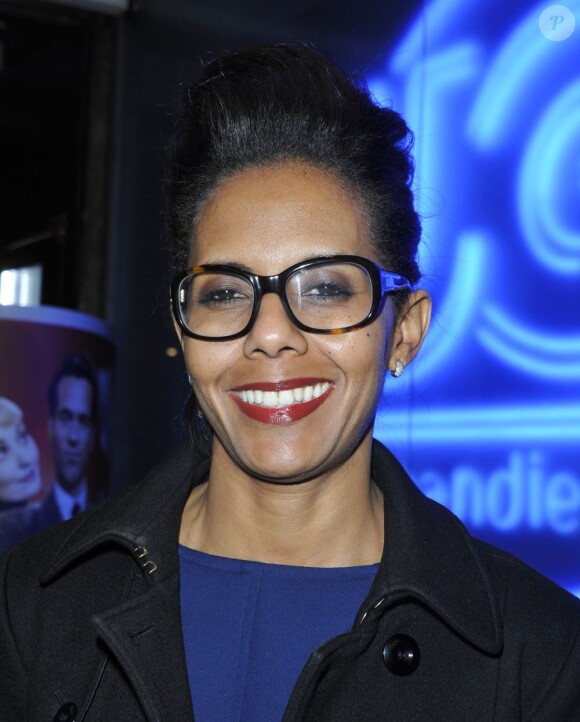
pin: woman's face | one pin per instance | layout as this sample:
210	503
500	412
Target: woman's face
267	219
19	472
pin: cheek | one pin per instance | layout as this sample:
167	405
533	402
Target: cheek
6	471
11	471
58	434
32	452
360	352
207	363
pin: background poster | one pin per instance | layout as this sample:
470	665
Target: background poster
34	341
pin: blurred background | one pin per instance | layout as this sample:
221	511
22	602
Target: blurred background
488	420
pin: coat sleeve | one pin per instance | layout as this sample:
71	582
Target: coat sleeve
12	670
539	667
542	621
556	671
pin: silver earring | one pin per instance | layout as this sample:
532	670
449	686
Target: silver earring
189	379
398	370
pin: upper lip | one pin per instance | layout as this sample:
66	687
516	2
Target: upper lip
30	474
285	385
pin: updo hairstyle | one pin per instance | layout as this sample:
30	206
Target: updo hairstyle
286	103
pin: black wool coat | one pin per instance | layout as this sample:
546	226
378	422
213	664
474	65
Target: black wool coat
452	629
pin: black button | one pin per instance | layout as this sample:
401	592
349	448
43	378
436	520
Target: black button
401	654
67	713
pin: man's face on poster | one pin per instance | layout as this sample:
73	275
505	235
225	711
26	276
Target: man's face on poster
71	431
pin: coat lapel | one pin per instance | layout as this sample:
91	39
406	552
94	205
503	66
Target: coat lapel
429	555
144	634
142	627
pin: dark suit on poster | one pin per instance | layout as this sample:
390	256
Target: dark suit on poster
18	524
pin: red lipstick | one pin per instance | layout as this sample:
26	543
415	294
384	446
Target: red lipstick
282	414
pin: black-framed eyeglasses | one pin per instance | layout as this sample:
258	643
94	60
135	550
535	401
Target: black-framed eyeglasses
332	295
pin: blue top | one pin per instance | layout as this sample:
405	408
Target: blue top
249	628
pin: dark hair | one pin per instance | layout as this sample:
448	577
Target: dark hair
283	102
78	366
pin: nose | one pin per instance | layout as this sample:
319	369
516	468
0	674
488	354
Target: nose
273	332
73	432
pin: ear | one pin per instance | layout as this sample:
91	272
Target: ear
410	329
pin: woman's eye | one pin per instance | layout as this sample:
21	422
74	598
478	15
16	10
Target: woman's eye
329	292
23	434
220	297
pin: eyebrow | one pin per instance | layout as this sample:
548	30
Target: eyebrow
247	269
220	262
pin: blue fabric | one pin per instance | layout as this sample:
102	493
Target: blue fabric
249	628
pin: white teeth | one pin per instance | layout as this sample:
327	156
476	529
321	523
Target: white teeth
270	398
285	398
277	399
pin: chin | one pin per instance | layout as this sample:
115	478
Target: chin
31	491
288	456
273	476
70	484
284	465
19	493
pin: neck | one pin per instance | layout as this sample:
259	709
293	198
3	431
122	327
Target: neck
335	519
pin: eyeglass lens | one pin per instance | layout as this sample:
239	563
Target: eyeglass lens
324	297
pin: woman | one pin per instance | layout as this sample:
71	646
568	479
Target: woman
20	477
295	572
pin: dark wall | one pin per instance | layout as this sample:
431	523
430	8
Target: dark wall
57	72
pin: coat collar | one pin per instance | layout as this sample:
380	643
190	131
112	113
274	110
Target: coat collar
144	518
428	554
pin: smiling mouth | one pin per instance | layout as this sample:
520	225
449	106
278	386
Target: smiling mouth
29	476
285	397
283	402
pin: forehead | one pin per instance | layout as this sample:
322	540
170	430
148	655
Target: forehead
8	431
271	217
9	424
74	393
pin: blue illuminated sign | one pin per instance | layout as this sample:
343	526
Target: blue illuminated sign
488	418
